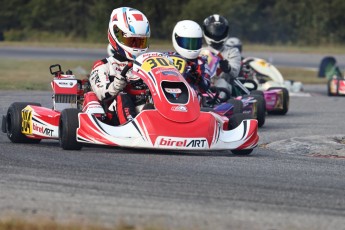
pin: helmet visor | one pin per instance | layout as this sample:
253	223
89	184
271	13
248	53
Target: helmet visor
216	31
133	42
189	43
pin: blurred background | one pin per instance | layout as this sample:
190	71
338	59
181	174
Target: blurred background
308	22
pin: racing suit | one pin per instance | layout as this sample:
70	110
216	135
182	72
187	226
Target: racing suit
106	82
233	57
196	72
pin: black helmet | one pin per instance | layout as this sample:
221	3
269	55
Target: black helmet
216	30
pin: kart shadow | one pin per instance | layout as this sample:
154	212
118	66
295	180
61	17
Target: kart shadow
98	149
133	151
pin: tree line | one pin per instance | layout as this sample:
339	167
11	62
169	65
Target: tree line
306	22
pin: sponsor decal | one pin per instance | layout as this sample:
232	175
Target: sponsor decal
179	108
43	130
173	90
169	73
193	143
97	80
153	54
119	64
27	120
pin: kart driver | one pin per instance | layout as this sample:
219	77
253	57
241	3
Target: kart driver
128	35
216	30
187	42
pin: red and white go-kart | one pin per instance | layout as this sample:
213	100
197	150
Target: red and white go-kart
174	122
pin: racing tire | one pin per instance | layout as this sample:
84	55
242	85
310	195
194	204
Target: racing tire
14	123
260	109
68	129
286	99
238	105
329	93
235	121
257	92
242	152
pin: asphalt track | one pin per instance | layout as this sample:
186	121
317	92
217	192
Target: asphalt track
293	180
269	189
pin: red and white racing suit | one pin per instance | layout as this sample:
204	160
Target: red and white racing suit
106	81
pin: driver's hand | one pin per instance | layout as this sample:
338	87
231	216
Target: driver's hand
118	85
224	66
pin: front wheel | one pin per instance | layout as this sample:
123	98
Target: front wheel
242	152
68	129
237	119
14	122
234	122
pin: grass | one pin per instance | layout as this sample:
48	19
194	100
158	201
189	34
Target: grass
42	224
35	74
305	76
322	49
154	44
167	45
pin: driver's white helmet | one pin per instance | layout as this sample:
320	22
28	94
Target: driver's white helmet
187	39
128	32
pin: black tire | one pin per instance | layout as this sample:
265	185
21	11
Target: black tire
14	123
238	105
260	109
329	93
286	101
235	121
243	152
68	129
257	92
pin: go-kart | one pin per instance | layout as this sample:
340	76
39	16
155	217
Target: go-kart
335	78
29	122
252	100
173	122
270	81
212	100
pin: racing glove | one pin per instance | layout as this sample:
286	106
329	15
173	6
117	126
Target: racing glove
224	66
193	75
118	85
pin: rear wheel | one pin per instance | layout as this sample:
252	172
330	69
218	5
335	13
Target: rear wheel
286	99
14	123
68	129
257	92
260	109
329	88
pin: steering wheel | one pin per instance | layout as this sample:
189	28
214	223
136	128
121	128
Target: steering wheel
253	85
215	95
